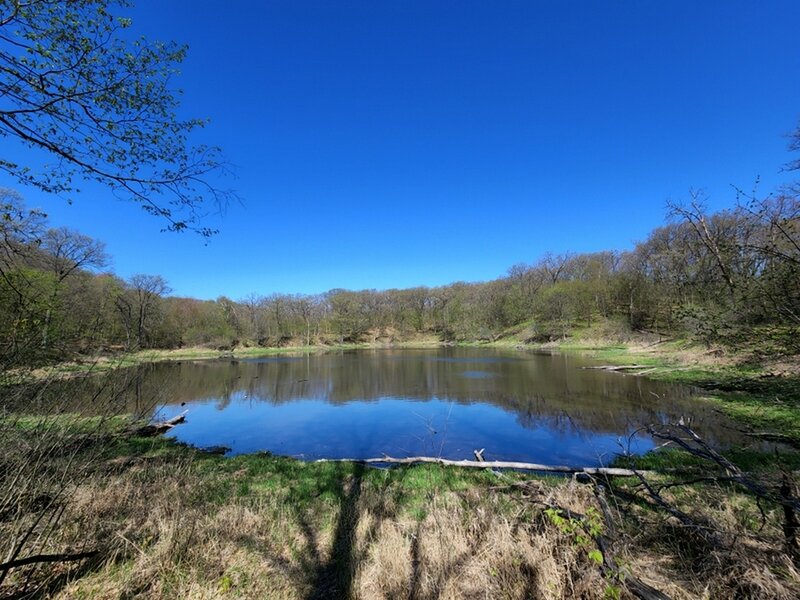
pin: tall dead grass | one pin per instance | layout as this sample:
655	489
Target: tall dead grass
168	522
170	541
50	445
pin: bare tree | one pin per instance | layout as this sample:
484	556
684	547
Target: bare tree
65	252
138	305
694	213
554	265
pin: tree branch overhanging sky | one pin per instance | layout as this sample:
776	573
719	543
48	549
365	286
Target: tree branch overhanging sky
397	144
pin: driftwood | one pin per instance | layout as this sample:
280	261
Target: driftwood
618	367
153	429
490	464
707	534
696	446
769	436
784	496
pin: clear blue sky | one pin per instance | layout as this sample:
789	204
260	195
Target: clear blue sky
391	144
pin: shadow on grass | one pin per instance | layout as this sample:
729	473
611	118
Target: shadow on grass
52	586
358	491
361	499
334	578
318	573
329	518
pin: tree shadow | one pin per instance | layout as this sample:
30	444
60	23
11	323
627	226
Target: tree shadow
416	564
317	573
334	578
331	574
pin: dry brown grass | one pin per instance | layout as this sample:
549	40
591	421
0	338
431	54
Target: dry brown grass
469	549
468	545
174	524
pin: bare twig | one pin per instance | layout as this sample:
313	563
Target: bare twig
696	446
47	558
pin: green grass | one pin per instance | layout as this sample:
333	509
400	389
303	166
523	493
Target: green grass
742	391
309	483
760	401
675	459
72	423
88	365
303	484
190	520
761	404
156	355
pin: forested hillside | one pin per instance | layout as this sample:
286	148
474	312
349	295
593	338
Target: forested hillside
711	276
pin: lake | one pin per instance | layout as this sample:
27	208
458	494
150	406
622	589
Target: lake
535	407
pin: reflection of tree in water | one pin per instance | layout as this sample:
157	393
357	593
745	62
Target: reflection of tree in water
541	390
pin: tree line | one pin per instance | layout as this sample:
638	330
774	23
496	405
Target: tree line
102	104
712	276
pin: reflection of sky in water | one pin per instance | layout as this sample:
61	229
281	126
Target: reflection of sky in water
472	359
398	427
477	374
519	406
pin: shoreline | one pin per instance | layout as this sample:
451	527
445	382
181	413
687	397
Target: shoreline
208	518
758	396
162	514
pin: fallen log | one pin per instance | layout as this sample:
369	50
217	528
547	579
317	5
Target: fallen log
618	367
645	372
697	446
491	464
769	436
154	429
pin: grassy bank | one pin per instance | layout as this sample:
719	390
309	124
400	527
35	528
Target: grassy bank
764	396
168	521
171	522
758	385
755	387
106	362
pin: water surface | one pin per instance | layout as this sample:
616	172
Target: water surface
544	408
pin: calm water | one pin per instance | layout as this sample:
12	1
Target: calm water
519	406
